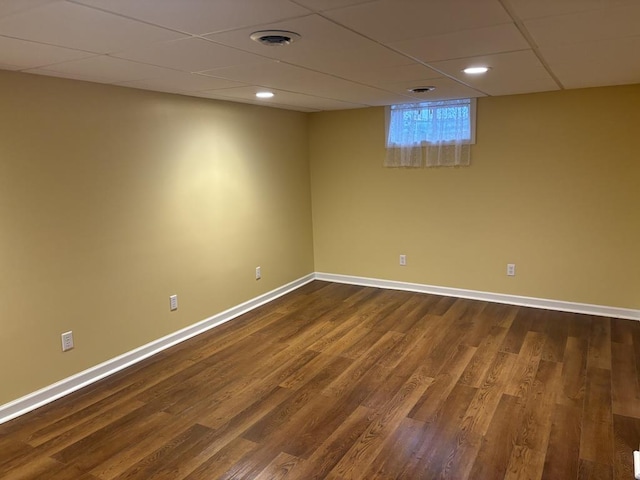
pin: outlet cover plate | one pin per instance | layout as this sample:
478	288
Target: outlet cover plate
173	302
67	341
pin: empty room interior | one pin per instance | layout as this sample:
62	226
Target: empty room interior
222	256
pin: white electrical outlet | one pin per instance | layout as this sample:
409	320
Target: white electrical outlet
173	302
258	273
511	269
67	341
403	260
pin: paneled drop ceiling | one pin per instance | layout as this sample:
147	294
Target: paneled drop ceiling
353	53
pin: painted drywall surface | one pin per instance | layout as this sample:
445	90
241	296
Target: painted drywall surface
554	187
112	199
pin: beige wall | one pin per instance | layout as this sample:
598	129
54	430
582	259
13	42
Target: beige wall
554	187
112	199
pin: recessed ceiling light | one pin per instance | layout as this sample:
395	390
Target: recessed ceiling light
430	88
274	38
476	70
264	94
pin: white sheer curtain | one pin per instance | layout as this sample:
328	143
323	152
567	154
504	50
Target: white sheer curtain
431	134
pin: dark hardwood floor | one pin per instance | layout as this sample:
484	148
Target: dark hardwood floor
344	382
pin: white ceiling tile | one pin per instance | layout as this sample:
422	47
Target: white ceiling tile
75	26
270	74
72	76
378	98
6	66
25	54
285	98
190	54
320	5
319	36
586	26
465	43
324	46
446	88
526	9
397	20
215	95
181	82
8	7
356	52
380	76
110	69
295	79
592	64
202	16
511	73
342	63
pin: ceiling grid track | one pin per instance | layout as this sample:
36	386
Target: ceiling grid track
529	38
404	54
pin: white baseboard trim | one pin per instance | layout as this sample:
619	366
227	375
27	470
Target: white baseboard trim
558	305
68	385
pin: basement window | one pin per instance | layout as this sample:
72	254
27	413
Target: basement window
431	134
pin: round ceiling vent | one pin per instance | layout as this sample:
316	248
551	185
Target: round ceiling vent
274	38
430	88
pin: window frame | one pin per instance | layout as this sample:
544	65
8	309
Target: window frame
472	120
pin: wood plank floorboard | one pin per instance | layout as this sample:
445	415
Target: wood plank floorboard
346	382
